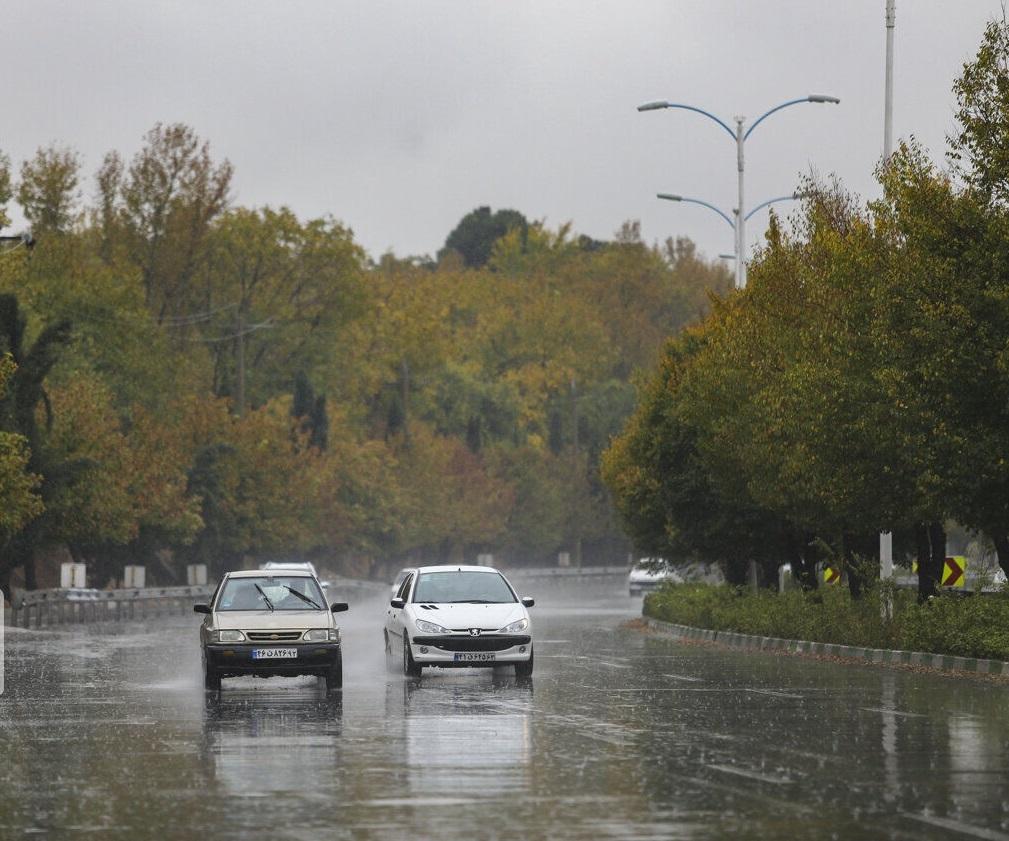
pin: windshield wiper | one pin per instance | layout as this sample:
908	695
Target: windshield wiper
269	604
302	596
475	601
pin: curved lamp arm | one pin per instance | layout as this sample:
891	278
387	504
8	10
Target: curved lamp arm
673	197
762	205
655	106
813	97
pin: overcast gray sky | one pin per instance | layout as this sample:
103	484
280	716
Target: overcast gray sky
399	116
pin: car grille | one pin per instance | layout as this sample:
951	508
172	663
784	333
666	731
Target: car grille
273	636
488	643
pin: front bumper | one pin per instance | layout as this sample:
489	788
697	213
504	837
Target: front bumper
230	659
453	651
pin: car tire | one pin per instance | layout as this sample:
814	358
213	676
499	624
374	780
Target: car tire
410	666
211	679
525	669
334	677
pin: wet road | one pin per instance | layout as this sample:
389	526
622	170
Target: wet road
618	735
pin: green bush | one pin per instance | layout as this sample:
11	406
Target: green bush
968	626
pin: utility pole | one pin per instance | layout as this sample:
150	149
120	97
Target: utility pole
885	537
575	473
240	363
891	16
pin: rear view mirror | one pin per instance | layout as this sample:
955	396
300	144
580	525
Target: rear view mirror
201	608
339	607
528	602
399	604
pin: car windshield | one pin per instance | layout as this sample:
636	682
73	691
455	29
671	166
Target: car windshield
271	592
463	586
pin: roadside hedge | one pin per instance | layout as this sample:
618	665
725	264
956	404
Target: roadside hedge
961	625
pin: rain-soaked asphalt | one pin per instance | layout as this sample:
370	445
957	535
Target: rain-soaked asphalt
619	735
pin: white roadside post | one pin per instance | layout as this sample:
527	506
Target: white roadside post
886	571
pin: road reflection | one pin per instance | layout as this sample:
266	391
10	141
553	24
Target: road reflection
267	742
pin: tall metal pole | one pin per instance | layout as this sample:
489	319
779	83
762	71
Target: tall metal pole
886	538
740	213
891	15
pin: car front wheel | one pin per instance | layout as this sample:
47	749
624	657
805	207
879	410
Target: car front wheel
410	667
525	669
211	679
334	677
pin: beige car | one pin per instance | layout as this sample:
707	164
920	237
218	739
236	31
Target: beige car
270	623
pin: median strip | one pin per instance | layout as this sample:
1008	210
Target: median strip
886	657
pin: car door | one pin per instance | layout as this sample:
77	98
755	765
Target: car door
394	615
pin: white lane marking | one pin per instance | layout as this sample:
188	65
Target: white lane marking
893	712
775	694
751	775
685	677
613	665
956	826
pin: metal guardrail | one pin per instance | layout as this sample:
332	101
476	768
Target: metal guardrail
46	608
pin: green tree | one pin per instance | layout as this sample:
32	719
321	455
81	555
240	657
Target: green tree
474	237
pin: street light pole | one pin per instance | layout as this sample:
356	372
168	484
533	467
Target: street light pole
740	218
740	135
738	223
891	16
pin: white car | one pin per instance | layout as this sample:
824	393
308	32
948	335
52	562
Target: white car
270	622
302	565
459	616
643	579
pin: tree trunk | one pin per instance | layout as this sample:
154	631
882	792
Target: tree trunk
1001	542
852	567
937	540
928	579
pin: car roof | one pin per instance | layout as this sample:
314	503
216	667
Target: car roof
457	568
270	573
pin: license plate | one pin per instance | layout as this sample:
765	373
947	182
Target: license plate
274	653
480	657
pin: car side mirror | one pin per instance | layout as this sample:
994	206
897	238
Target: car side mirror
528	602
339	607
399	604
201	608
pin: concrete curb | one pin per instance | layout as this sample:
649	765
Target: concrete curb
943	662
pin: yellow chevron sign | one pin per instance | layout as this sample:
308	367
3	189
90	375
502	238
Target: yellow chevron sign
954	571
831	575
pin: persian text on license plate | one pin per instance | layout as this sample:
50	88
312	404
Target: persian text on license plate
479	657
274	653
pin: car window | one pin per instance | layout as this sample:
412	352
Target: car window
284	592
404	588
463	586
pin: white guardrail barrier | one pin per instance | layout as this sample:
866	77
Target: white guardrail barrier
73	605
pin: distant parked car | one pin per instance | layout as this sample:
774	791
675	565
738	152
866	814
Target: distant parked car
268	623
642	579
456	616
302	565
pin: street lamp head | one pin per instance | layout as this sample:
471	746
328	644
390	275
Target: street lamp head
819	97
653	106
669	196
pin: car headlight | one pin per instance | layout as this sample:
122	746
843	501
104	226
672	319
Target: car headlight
229	636
429	627
322	635
515	627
